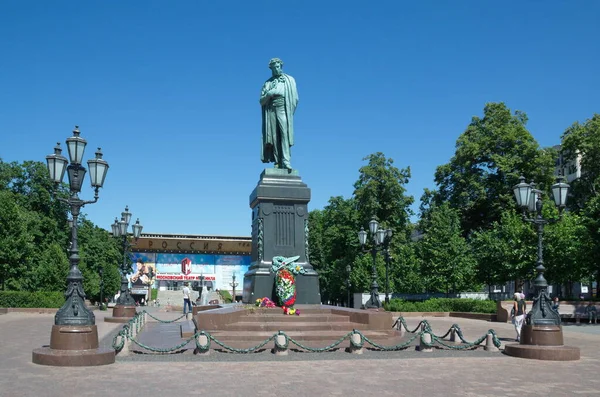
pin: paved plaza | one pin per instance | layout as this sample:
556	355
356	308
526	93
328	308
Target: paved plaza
408	372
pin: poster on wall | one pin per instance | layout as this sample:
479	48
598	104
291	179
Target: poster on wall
189	267
143	272
227	266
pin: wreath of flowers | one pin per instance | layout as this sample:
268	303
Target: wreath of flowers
285	282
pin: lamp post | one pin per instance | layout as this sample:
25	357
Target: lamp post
348	285
101	272
74	324
542	328
380	237
125	307
233	285
388	257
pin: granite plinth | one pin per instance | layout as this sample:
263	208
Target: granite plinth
542	342
73	346
73	358
536	352
121	314
279	206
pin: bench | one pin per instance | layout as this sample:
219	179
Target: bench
568	310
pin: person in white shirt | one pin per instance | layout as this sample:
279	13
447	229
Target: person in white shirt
187	302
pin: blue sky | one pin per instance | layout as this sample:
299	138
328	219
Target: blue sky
169	90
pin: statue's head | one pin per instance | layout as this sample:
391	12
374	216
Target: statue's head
276	66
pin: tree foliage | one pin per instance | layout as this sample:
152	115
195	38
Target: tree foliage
490	156
379	191
34	235
447	262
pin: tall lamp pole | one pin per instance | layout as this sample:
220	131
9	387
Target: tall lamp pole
101	271
233	285
379	237
541	336
74	324
348	285
125	306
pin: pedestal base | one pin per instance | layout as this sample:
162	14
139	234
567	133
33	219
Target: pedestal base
542	342
535	352
257	285
121	314
543	335
73	346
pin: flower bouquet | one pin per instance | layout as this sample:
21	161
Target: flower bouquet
285	282
264	302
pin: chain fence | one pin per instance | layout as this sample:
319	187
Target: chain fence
127	333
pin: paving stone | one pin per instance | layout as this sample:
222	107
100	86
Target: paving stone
440	373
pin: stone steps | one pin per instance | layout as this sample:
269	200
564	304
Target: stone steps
240	336
291	326
304	317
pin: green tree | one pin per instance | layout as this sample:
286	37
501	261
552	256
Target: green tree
506	251
566	247
380	191
583	140
15	241
490	156
447	262
98	250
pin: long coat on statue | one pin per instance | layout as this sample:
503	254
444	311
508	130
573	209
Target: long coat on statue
269	121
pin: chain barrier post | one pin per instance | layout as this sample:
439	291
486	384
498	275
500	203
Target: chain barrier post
281	344
489	343
425	345
356	343
203	345
453	335
399	326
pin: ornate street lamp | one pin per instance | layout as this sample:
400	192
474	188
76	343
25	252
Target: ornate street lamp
233	285
74	324
379	236
125	307
386	244
543	324
348	285
74	311
101	272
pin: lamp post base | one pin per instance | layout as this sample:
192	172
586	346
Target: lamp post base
121	314
73	346
542	342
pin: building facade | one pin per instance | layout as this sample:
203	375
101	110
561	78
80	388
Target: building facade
166	261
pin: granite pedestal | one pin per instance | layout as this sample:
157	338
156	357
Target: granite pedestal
279	206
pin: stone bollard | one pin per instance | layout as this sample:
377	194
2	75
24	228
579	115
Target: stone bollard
489	343
280	348
425	339
202	341
453	335
399	327
355	344
125	351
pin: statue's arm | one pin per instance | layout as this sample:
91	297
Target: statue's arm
265	94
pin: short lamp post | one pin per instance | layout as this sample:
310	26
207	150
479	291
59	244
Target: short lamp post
381	239
348	285
74	324
101	272
233	285
541	336
201	277
125	306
